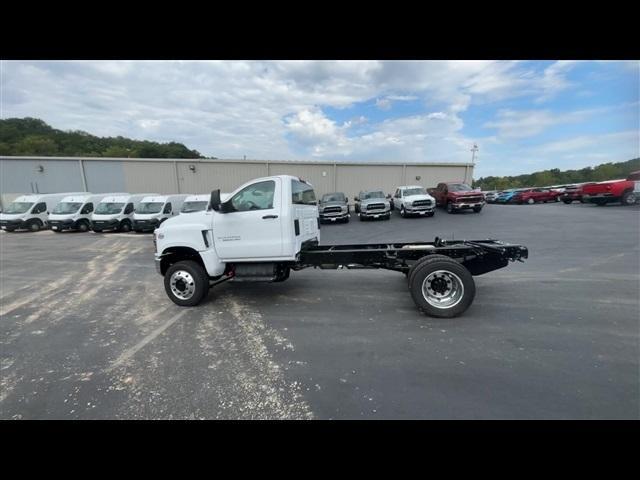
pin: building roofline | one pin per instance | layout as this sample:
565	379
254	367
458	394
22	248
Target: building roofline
240	160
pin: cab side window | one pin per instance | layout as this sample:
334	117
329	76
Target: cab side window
397	195
88	208
258	196
40	208
302	193
128	209
167	208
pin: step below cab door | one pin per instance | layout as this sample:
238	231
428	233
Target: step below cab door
252	229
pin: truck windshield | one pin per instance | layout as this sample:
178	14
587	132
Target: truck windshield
333	197
459	187
415	191
368	195
18	207
67	207
109	208
149	207
189	207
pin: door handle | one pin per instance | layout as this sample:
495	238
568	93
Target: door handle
269	216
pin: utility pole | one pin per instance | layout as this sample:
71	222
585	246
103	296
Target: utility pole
473	153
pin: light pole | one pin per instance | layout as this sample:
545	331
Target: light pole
473	153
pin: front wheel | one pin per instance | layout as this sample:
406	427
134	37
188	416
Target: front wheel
567	202
346	219
477	209
629	198
35	226
403	212
441	287
125	227
83	227
186	283
450	207
531	201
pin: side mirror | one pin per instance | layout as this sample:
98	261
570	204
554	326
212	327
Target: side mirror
346	199
356	199
214	201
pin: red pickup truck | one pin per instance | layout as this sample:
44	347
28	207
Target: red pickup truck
626	191
455	196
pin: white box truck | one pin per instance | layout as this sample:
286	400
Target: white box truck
74	212
152	211
198	203
31	212
270	227
115	212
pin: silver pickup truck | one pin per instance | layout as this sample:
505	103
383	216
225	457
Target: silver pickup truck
372	204
334	207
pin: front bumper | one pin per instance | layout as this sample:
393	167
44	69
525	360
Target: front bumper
145	225
334	216
13	224
375	213
105	224
464	205
598	196
62	224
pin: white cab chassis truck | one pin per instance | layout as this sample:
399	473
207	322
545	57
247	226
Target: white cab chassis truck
153	210
270	226
31	212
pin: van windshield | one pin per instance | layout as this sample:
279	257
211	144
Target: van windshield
67	207
149	207
188	207
109	208
18	207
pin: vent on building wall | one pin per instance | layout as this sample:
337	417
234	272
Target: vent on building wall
40	168
192	168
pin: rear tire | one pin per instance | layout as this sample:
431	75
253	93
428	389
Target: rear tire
567	202
97	230
186	283
441	287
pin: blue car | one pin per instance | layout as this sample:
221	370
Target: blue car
505	196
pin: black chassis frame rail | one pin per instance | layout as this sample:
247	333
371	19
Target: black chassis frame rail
478	256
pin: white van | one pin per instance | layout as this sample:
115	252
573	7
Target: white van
115	212
154	210
31	212
74	212
199	203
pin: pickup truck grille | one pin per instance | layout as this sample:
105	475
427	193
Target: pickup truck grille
332	210
469	199
375	206
422	203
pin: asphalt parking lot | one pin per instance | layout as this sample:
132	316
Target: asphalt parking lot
87	331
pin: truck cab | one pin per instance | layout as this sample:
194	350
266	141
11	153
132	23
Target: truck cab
413	200
153	210
115	212
31	212
74	213
198	203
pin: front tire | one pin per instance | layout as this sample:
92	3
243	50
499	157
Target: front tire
531	201
441	287
35	226
186	283
477	209
83	227
450	209
567	202
125	227
629	198
403	212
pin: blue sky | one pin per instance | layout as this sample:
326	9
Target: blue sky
523	115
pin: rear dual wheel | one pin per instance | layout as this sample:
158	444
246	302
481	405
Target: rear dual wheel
441	287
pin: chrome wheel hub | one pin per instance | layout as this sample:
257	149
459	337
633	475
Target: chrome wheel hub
442	289
182	284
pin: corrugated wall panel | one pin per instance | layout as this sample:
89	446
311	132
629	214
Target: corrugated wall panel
320	176
351	179
223	175
21	176
143	177
104	177
430	176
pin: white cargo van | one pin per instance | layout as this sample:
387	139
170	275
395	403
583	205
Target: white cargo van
115	212
74	212
31	212
154	210
199	203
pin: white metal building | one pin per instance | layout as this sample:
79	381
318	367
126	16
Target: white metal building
19	175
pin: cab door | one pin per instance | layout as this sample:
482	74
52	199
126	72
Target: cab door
253	227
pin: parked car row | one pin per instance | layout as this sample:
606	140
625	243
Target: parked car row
84	211
408	200
625	191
